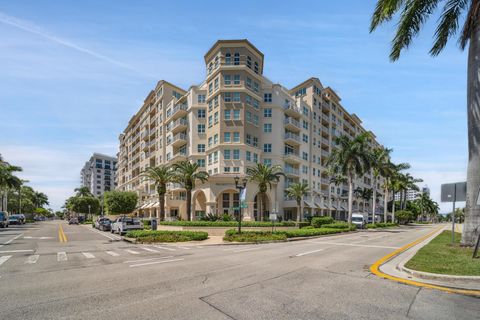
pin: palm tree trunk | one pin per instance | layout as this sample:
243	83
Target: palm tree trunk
161	201
260	206
350	199
374	203
472	209
385	203
393	205
189	204
299	209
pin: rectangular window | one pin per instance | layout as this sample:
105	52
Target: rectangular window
227	80
267	97
267	162
201	98
267	127
249	83
215	102
210	121
255	119
255	157
201	113
236	114
249	62
249	116
255	141
305	156
236	97
236	137
201	128
215	157
210	106
226	154
210	158
236	169
226	137
248	139
227	97
256	67
305	124
210	139
267	113
227	115
228	58
305	111
226	169
236	79
248	156
215	139
216	83
256	104
236	58
256	87
267	147
201	148
210	88
236	154
305	138
201	162
215	116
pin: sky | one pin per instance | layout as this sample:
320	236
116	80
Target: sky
72	73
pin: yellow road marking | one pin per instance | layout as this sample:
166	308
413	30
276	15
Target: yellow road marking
375	269
61	235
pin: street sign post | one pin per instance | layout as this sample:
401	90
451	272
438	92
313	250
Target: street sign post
453	192
273	218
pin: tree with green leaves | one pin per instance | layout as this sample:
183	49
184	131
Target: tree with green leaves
298	191
264	175
381	167
83	192
160	176
40	199
351	159
413	14
120	202
8	181
187	174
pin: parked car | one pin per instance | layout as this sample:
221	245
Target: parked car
3	219
73	221
103	224
39	218
14	219
22	218
359	220
124	224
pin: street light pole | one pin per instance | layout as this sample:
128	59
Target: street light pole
240	188
89	210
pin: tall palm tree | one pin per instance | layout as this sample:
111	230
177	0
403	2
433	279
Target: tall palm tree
336	180
351	159
298	191
8	180
413	15
380	167
264	175
160	176
83	192
406	182
40	199
186	173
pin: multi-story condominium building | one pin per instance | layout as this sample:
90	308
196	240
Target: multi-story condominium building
234	119
413	194
98	174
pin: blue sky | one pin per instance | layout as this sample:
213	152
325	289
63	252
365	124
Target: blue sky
72	73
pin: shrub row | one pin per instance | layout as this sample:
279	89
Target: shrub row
253	236
337	225
167	236
226	223
317	222
381	225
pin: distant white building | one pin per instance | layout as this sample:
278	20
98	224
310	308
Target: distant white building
99	173
413	194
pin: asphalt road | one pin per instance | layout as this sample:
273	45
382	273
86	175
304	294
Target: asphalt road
93	275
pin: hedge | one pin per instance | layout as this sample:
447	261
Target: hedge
254	236
317	222
337	225
381	225
226	223
312	232
166	236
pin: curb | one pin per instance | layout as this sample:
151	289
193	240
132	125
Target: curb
375	269
435	276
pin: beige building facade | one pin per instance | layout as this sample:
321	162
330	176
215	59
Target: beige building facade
234	119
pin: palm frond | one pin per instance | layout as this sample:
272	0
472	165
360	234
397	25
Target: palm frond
384	11
471	22
448	24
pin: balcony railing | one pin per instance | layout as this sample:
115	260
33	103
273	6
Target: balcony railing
291	121
293	136
291	170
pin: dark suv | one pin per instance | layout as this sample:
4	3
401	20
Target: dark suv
3	219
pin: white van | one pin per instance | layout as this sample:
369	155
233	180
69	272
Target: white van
359	220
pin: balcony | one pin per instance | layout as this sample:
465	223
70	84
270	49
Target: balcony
178	140
291	171
292	110
325	141
292	124
325	153
292	138
292	157
325	181
177	125
180	110
179	156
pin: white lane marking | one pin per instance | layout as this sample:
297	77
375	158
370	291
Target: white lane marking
150	259
308	252
4	259
13	251
110	236
39	238
356	245
14	238
243	250
186	248
198	247
32	259
131	251
114	254
88	255
154	262
149	249
164	248
62	256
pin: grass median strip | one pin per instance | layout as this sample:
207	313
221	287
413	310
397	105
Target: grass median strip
440	256
149	236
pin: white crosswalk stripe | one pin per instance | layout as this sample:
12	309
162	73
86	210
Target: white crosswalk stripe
131	251
62	256
88	255
149	249
185	248
32	259
4	259
112	253
164	248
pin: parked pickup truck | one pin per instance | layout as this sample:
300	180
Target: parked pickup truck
124	224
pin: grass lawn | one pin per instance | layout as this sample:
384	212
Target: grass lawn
439	256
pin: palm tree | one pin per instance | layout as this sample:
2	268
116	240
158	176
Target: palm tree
298	191
160	176
380	167
83	192
393	182
8	180
351	159
264	175
40	199
186	173
406	181
337	180
413	15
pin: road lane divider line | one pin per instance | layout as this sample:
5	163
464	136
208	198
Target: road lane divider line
185	248
13	239
375	269
61	234
61	256
154	262
88	255
356	245
308	252
150	259
131	251
13	251
164	248
149	249
32	259
112	253
244	250
110	236
4	259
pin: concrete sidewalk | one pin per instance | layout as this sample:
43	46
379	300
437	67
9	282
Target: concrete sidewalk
396	267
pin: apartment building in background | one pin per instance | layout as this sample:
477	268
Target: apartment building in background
234	119
98	174
412	195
